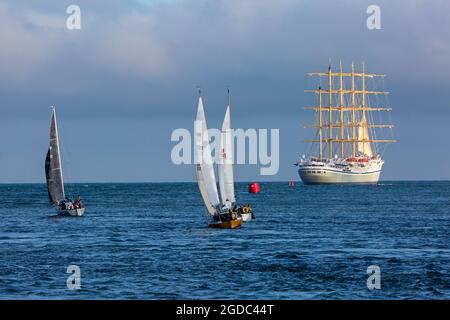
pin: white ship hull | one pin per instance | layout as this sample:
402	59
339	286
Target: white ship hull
340	173
327	176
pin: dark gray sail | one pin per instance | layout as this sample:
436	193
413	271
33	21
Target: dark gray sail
53	170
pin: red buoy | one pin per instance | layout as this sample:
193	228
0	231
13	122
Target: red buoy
254	187
291	184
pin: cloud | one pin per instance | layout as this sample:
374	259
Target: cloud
130	46
142	59
187	40
40	20
21	51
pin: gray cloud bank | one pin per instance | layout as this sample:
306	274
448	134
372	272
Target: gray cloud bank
143	59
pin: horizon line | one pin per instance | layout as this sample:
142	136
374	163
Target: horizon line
193	181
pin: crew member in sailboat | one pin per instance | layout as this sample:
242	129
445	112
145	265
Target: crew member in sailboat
78	203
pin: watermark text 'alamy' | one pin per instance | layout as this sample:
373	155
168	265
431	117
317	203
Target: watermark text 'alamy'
249	146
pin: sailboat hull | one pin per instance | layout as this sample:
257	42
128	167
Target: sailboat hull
247	216
232	224
71	212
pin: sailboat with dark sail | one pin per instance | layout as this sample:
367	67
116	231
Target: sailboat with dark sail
54	176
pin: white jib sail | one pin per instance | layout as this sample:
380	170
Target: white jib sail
204	163
226	179
363	134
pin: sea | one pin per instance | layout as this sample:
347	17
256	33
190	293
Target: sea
151	241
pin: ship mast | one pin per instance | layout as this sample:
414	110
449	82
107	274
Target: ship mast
354	123
330	110
341	108
320	123
353	113
363	106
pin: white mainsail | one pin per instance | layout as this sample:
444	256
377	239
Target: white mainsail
225	166
53	170
203	191
204	165
363	134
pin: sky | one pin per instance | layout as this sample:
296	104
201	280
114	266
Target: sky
128	78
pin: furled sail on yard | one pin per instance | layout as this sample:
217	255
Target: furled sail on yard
204	164
53	170
363	134
226	179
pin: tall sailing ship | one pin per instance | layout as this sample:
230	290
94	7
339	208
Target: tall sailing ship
347	141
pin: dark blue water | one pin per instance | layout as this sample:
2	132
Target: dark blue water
150	241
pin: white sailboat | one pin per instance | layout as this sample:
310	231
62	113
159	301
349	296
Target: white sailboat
205	175
54	176
224	211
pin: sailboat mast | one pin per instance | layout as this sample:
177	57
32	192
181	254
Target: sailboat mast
341	103
330	109
353	113
320	123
